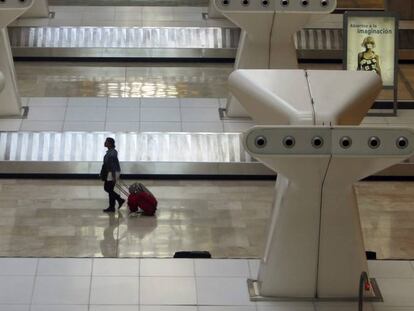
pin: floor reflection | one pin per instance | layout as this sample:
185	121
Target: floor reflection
372	4
341	3
227	218
122	80
152	80
109	244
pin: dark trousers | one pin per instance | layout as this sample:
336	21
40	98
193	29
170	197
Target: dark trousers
113	196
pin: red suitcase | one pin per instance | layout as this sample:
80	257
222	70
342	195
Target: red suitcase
141	198
147	203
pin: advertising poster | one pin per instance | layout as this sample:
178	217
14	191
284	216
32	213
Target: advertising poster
371	45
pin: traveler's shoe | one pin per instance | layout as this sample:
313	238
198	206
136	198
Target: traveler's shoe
109	210
121	202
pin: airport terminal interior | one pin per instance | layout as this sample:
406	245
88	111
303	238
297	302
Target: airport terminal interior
263	146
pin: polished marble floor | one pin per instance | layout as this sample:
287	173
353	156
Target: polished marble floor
61	79
46	284
49	218
341	3
64	219
131	16
186	80
374	4
131	2
52	218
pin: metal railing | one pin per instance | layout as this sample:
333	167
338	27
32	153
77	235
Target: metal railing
363	280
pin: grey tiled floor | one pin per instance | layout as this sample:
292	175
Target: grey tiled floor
167	285
124	114
144	115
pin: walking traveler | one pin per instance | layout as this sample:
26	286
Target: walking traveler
110	172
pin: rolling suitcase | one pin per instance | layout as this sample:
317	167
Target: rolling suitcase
140	199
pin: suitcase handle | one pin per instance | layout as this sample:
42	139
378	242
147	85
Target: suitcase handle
123	187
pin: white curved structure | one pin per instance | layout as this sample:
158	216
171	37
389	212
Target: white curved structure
2	82
39	9
212	11
305	97
10	10
267	39
314	247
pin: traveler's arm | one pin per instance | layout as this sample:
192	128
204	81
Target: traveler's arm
112	166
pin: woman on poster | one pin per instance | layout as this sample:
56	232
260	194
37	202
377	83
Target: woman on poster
369	60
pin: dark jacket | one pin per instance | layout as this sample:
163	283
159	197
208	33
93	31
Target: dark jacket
111	162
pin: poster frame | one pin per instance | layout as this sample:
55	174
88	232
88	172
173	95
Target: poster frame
378	14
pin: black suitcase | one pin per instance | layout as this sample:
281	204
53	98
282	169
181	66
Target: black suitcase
192	254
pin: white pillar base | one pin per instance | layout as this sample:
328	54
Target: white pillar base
10	104
234	109
374	295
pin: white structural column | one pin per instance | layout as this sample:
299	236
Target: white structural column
212	11
267	39
289	265
341	243
39	9
253	50
282	42
2	81
305	97
269	86
9	97
314	247
254	46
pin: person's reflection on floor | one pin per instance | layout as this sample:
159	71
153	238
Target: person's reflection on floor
109	244
134	235
140	226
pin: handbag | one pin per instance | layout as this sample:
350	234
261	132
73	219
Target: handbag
104	173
